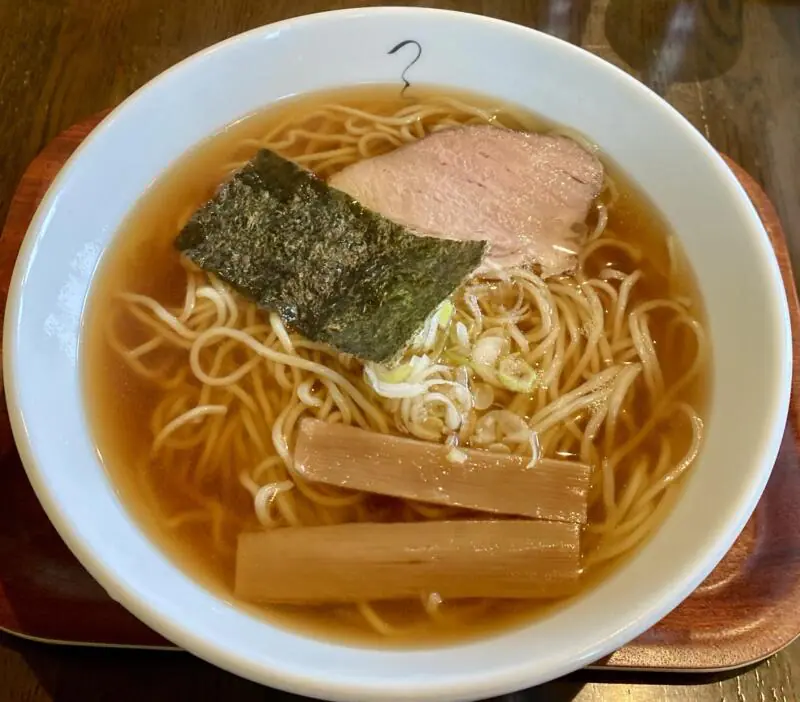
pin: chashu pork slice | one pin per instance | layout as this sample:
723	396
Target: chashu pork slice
522	192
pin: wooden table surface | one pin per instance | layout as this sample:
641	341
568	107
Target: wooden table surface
732	67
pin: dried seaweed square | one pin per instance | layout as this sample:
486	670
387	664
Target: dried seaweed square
333	270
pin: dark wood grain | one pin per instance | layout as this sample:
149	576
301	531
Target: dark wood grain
732	67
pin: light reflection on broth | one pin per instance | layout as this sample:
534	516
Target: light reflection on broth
196	481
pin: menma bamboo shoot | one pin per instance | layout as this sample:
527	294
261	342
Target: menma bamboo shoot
517	559
353	458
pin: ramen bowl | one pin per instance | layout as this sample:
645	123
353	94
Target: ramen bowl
686	180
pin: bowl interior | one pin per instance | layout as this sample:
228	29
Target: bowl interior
668	159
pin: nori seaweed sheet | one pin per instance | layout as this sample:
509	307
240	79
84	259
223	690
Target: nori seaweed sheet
333	270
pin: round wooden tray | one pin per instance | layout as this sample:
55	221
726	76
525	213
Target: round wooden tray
747	609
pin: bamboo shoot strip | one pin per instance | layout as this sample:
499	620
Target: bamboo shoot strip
457	559
336	272
349	457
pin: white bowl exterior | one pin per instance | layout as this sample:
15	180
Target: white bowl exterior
691	186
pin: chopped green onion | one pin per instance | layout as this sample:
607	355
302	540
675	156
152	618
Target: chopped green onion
393	375
455	359
516	374
445	313
488	350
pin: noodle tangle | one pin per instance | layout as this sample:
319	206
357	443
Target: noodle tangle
570	367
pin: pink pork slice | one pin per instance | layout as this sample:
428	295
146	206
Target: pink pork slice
522	192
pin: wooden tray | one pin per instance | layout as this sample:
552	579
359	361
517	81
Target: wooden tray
746	610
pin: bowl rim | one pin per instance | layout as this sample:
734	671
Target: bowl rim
471	684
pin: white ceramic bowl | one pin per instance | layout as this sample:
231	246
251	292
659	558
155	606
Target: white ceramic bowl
682	174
